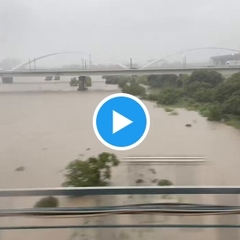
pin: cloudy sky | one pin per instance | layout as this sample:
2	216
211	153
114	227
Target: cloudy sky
114	30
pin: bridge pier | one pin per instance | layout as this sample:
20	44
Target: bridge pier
82	83
7	79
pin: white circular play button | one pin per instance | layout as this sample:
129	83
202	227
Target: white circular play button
121	121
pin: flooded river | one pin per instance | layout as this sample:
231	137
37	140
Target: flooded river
43	126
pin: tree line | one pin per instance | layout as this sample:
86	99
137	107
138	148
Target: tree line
209	92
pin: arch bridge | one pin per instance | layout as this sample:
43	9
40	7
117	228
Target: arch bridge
28	63
162	59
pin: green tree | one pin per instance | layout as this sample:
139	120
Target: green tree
203	95
169	96
134	89
228	89
212	78
214	113
191	89
142	80
95	171
122	83
164	182
232	105
162	81
182	80
234	78
111	79
116	79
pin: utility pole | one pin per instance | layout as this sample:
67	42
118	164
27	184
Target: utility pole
130	63
82	63
90	61
85	60
184	61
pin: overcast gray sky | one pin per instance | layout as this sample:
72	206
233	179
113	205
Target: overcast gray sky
116	29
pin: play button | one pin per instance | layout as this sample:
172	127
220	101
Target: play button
121	121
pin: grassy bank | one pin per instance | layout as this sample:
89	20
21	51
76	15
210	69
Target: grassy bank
204	109
207	92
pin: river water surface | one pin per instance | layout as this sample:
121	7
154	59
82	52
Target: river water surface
45	125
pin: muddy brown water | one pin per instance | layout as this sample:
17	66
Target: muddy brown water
43	126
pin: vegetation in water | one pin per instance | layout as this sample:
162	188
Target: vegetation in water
93	172
47	202
164	182
205	91
134	88
174	113
168	109
75	82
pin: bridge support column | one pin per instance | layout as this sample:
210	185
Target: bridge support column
82	83
7	79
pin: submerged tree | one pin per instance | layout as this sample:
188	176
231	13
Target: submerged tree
164	182
47	202
95	171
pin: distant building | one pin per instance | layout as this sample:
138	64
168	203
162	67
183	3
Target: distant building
222	60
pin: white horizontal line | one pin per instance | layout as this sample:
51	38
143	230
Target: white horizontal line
163	161
142	157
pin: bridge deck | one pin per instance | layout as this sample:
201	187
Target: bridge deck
79	72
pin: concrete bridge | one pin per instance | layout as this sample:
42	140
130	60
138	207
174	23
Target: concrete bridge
8	75
79	72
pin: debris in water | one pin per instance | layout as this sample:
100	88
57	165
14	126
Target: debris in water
188	125
139	181
20	169
152	170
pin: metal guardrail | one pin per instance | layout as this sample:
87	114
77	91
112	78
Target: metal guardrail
119	226
120	190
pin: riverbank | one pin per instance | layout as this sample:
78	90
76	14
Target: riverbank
204	109
206	92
